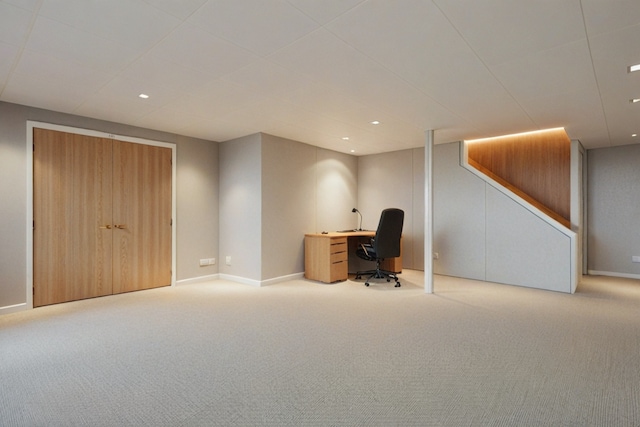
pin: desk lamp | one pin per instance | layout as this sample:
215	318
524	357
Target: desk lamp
356	210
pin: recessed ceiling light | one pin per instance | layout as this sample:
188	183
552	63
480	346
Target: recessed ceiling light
633	135
375	122
345	138
143	96
353	151
633	68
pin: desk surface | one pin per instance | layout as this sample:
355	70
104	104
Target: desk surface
363	233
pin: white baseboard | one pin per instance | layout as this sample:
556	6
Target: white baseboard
13	308
282	279
238	279
613	274
259	283
200	279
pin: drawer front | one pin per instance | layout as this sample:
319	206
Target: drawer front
339	271
338	245
339	256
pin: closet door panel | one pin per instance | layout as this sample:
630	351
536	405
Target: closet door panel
72	211
142	217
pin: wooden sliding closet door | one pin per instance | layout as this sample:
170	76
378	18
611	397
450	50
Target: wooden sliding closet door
142	217
72	240
102	216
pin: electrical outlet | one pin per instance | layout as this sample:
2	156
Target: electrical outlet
228	260
212	261
635	258
204	262
436	255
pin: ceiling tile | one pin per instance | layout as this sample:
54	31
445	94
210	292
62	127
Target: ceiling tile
611	65
265	113
9	54
14	24
325	58
125	89
428	53
267	79
605	16
206	53
262	27
160	72
129	22
320	98
311	70
69	44
117	110
504	30
30	5
421	110
167	119
180	9
40	93
326	10
566	108
57	71
217	97
566	68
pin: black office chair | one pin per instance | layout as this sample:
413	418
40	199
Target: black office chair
385	244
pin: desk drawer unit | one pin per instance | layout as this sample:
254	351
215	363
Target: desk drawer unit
326	258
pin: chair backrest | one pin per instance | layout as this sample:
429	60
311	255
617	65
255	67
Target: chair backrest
387	240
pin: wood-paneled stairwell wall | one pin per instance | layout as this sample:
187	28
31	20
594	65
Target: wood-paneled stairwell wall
536	166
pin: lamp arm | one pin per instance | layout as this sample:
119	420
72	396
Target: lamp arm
358	212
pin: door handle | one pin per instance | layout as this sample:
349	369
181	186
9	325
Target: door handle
108	226
121	226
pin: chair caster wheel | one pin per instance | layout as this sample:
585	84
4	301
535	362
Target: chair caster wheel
397	285
388	280
366	284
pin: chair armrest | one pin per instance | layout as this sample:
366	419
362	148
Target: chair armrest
364	248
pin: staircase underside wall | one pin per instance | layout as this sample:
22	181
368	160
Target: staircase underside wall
483	233
523	249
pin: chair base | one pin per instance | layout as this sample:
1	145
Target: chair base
378	274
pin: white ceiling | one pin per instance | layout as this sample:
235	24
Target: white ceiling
320	70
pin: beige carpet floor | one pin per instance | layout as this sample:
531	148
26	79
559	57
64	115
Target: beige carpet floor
303	353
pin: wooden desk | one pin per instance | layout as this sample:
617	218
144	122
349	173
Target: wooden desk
326	256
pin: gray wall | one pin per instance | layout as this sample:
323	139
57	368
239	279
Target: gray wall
395	179
336	191
288	204
197	199
197	207
613	210
459	216
272	192
240	167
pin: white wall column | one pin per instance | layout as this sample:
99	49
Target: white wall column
428	212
